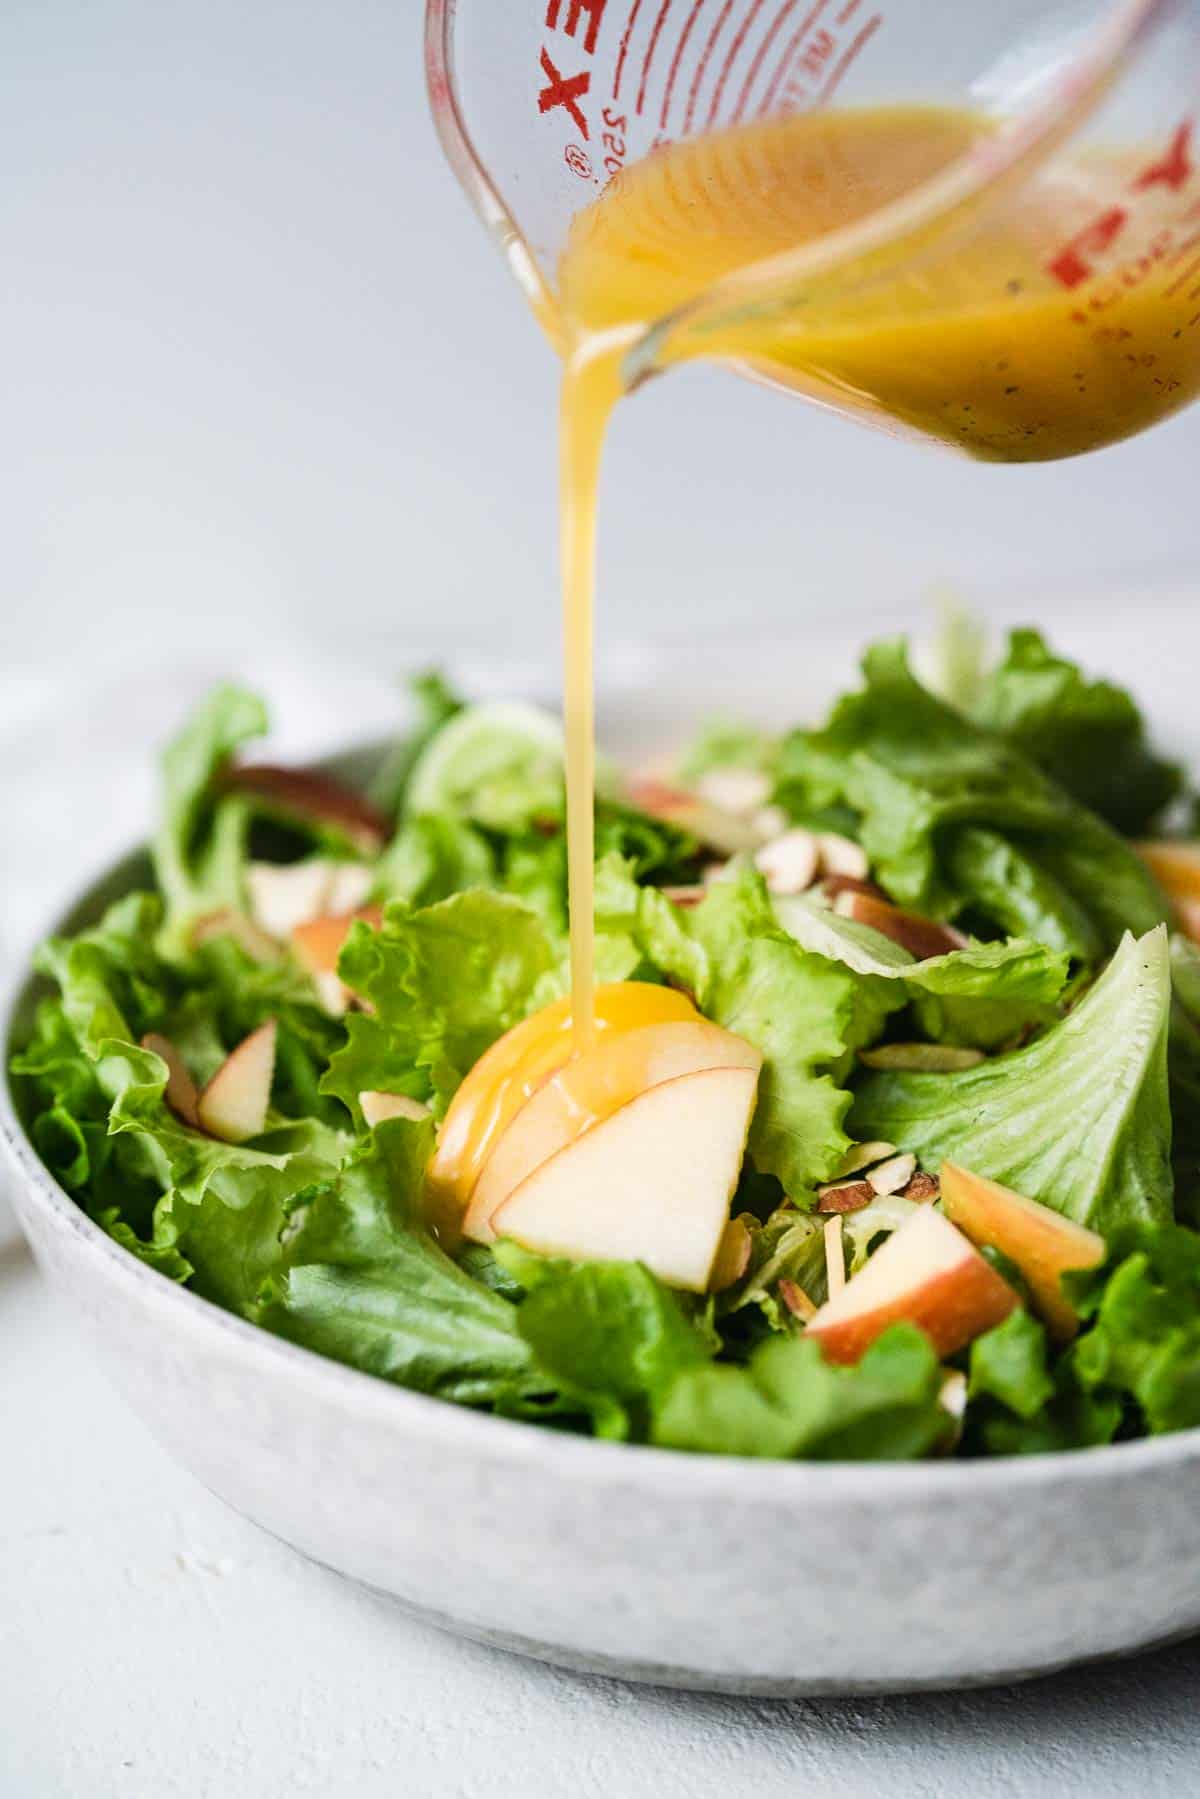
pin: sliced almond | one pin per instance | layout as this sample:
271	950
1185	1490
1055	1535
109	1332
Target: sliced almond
349	885
921	1058
685	896
796	1300
844	1196
922	1188
737	790
921	937
788	864
832	885
770	821
283	896
842	856
862	1155
378	1107
332	992
181	1092
835	1257
953	1395
893	1175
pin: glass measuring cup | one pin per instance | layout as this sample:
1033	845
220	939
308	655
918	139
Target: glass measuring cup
1079	195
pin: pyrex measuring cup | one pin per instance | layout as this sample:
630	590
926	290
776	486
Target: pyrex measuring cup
1088	166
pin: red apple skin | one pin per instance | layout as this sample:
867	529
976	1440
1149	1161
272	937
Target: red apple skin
308	794
928	1274
951	1310
181	1092
1042	1243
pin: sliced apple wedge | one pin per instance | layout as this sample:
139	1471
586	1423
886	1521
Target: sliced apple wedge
520	1062
620	1067
928	1274
378	1107
1176	868
1043	1244
234	1104
651	1183
318	944
181	1092
728	832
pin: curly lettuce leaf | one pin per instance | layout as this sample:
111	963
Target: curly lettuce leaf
1079	1120
789	1402
1088	736
917	774
613	1339
443	982
432	857
982	995
200	845
366	1284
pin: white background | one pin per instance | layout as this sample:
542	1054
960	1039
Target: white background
270	406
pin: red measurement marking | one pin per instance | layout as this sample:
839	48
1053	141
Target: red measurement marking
851	54
663	10
568	92
760	56
702	70
797	38
848	11
595	13
680	47
623	52
734	52
1071	265
1175	168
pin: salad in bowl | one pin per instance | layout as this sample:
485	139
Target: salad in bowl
894	1150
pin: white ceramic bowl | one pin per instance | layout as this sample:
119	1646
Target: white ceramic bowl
742	1576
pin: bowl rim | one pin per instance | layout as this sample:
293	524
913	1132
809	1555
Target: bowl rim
766	1479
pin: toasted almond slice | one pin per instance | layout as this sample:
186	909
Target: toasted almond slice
844	1196
733	1256
832	885
796	1300
921	937
285	895
234	1104
350	883
737	790
953	1395
788	864
685	896
891	1176
181	1092
332	993
922	1188
842	856
770	821
862	1155
921	1058
835	1258
378	1107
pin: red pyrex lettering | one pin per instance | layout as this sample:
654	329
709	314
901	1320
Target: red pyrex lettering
568	91
1075	262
